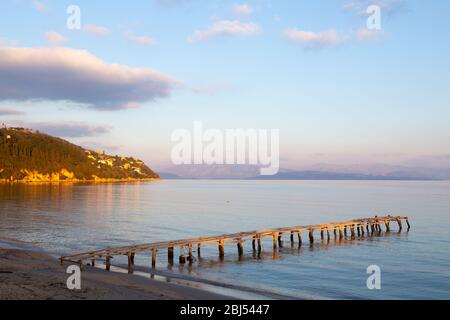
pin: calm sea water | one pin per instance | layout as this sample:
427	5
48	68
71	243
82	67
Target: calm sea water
67	219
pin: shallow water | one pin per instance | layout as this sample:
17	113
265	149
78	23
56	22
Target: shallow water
67	219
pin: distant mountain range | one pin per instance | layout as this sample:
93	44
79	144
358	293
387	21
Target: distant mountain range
249	172
210	172
322	175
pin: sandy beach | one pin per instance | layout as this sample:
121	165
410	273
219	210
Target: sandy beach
30	275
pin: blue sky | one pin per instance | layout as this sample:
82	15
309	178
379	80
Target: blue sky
337	98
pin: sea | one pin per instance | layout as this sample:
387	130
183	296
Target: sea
65	219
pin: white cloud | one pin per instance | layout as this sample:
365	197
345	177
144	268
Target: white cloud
95	30
242	9
313	39
55	38
62	74
225	28
141	40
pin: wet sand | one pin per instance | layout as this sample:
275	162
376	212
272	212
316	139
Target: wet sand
31	275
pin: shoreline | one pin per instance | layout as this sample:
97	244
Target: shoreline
75	181
21	261
29	273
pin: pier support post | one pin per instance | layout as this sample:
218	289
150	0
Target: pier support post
362	230
190	257
400	226
280	240
328	233
359	231
386	224
131	262
340	232
377	225
352	230
259	245
345	230
240	249
199	250
93	262
407	223
275	239
154	252
254	244
299	235
221	249
367	229
170	255
335	232
311	236
292	238
182	257
108	263
321	234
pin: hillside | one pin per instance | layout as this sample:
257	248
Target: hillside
30	156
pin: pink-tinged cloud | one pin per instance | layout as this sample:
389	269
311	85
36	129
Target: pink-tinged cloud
170	2
65	129
55	39
243	9
10	112
313	39
62	74
95	30
141	40
226	28
330	38
39	6
367	34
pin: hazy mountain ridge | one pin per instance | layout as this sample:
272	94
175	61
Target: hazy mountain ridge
250	172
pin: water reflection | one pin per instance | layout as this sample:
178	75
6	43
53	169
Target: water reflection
280	252
73	218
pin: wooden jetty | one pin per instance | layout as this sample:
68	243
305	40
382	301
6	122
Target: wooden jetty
356	228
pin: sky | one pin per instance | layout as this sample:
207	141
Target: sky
135	71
